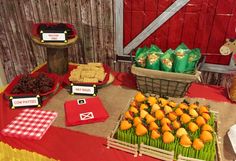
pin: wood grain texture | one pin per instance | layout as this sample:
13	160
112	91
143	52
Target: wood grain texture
95	24
93	19
160	20
57	59
119	15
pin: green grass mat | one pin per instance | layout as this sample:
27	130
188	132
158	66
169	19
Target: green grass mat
208	153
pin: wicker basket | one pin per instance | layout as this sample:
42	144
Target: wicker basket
163	83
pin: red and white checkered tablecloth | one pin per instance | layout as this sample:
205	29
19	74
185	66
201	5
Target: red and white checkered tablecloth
30	124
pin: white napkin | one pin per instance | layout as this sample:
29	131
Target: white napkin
232	136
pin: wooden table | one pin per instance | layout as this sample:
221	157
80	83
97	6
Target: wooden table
57	54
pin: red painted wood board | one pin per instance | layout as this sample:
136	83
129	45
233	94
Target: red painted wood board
200	24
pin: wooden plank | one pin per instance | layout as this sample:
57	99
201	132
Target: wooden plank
100	43
158	156
74	53
162	33
43	9
122	142
121	145
34	10
138	5
127	28
123	148
208	24
108	33
225	6
54	12
156	149
58	11
95	22
24	36
190	28
151	5
217	39
11	32
3	80
138	17
156	152
182	158
137	23
63	9
175	29
88	36
175	7
40	52
198	42
119	14
217	68
4	46
80	30
218	33
21	44
123	66
127	24
232	30
26	9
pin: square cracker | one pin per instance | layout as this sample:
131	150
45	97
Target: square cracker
88	80
87	74
95	64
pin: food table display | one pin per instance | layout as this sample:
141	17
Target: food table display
81	145
176	128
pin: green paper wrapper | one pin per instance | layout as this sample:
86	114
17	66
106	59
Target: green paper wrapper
194	56
140	57
167	60
153	57
181	58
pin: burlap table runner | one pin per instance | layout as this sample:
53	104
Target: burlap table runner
115	99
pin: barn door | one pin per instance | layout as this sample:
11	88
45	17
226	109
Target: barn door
166	23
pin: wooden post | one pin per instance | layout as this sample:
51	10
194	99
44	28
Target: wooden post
57	54
57	60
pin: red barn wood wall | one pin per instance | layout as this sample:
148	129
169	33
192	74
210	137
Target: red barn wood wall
201	23
93	19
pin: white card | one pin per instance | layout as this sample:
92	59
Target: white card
86	116
81	101
232	136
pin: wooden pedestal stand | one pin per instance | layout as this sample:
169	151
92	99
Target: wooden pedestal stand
57	54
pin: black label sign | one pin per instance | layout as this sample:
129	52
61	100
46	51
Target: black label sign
82	89
53	36
25	101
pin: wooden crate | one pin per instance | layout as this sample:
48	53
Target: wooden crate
121	145
156	152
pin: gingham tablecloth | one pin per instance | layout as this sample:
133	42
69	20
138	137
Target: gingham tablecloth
30	124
